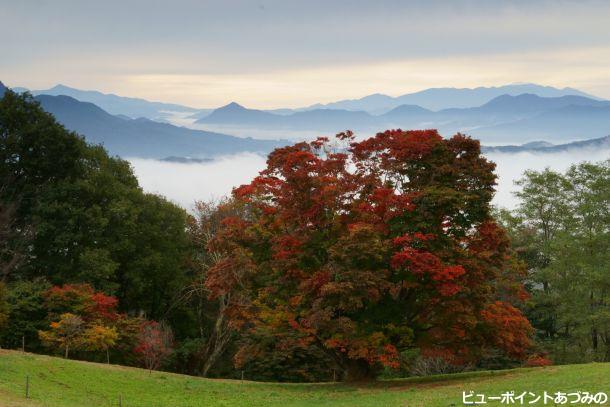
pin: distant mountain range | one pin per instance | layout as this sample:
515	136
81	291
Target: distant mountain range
444	98
549	114
505	118
602	143
2	89
566	123
143	137
116	105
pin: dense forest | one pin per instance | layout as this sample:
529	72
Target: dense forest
343	258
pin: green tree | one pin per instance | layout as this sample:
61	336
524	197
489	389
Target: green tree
27	314
561	229
89	220
4	307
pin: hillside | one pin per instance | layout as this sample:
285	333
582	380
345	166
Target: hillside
59	382
114	104
505	119
566	123
142	137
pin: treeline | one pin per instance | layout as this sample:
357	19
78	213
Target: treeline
561	231
342	259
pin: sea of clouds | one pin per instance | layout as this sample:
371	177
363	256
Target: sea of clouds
185	184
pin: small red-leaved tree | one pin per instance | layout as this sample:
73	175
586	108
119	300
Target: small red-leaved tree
83	300
370	249
154	344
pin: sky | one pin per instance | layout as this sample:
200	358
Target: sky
270	54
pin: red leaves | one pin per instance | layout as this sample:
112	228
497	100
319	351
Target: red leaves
398	145
154	344
418	262
386	203
286	247
510	329
81	299
104	306
449	273
395	229
424	264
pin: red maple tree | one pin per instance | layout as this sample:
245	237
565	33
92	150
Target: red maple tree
368	248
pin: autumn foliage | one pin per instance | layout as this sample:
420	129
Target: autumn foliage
81	299
364	249
82	319
154	344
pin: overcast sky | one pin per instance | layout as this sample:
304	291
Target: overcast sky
293	53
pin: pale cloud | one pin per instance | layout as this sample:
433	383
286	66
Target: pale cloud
273	53
186	183
510	167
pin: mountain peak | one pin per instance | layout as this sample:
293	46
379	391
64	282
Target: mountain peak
60	87
235	113
232	106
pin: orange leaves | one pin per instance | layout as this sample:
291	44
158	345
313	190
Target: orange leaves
510	329
99	337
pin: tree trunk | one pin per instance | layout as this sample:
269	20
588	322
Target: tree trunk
218	339
107	356
67	350
358	370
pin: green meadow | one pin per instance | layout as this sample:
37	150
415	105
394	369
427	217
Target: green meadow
58	382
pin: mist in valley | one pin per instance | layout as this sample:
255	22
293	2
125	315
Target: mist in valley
187	183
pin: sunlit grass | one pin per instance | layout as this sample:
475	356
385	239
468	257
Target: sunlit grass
59	382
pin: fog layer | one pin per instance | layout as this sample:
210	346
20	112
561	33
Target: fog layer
186	183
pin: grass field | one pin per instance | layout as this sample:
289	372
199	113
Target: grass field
59	382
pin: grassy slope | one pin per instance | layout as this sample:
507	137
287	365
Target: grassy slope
58	382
